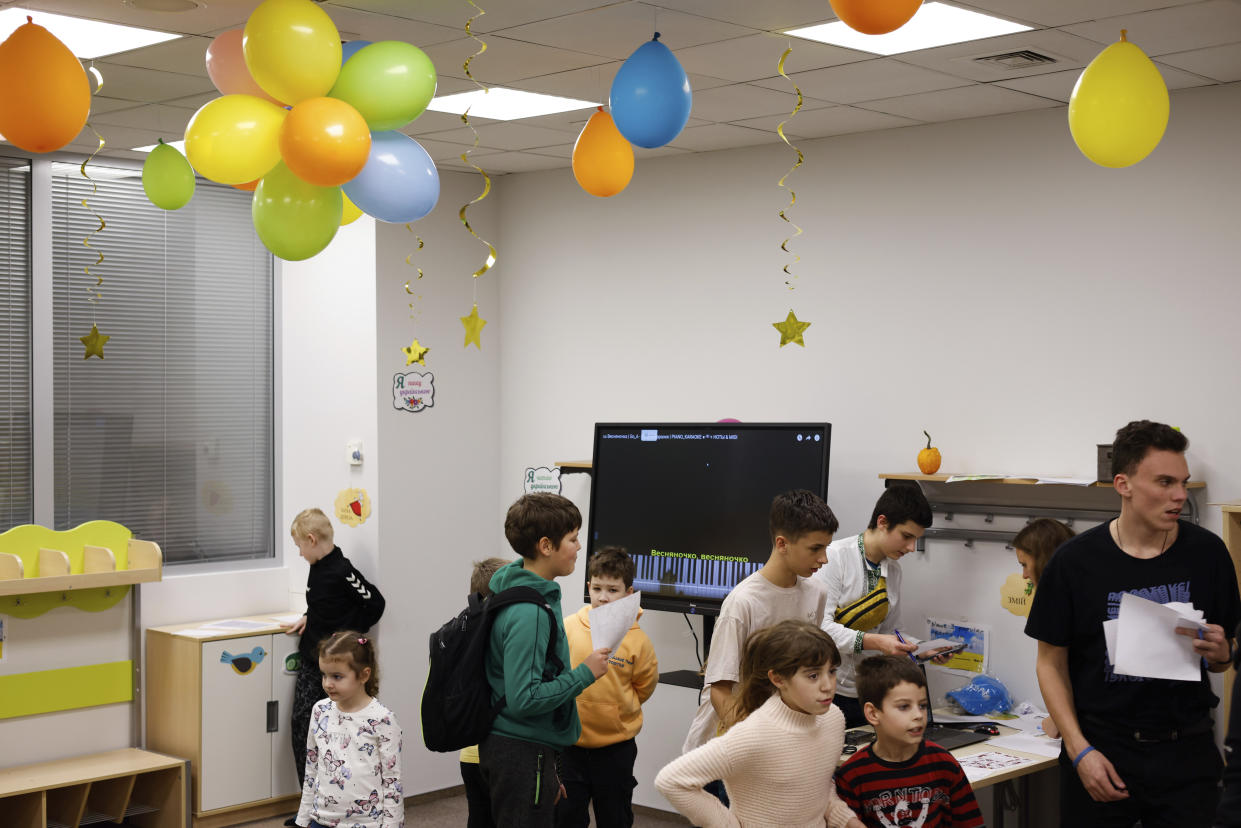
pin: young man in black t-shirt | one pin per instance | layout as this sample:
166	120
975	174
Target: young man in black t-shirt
1135	748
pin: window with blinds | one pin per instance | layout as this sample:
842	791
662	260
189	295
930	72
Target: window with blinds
16	502
171	433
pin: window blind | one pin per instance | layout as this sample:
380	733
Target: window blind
171	433
16	502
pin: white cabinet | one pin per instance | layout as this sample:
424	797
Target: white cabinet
224	701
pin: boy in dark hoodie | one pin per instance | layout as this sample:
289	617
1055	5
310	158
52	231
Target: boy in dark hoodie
518	758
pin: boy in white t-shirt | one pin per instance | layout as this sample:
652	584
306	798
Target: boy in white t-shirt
801	529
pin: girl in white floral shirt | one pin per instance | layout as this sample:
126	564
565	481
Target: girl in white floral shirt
353	747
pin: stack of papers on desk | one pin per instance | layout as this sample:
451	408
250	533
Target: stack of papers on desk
1143	640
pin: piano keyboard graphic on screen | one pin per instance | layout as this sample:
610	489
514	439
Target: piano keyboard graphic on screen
689	576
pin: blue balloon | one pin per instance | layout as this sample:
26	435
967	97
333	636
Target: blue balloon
399	182
350	48
650	96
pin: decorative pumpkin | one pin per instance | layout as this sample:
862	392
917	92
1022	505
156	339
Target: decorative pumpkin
928	458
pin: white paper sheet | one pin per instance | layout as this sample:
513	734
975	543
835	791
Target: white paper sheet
610	622
981	765
1147	643
234	624
198	633
286	620
1038	745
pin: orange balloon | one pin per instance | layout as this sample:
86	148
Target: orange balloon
602	158
875	17
44	93
325	141
249	186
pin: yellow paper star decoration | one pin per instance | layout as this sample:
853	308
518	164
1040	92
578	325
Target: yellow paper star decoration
94	342
473	328
415	352
791	330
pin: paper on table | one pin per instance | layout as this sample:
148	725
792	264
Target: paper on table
286	620
234	624
1038	745
610	622
981	765
198	633
1147	643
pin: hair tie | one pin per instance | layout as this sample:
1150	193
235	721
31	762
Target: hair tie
361	640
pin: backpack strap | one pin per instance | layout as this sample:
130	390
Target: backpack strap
552	665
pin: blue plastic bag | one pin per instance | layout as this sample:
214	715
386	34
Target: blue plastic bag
985	694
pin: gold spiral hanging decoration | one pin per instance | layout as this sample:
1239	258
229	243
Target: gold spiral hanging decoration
784	245
93	291
465	156
409	261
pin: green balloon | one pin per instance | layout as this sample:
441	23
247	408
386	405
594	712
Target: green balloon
167	178
390	83
295	220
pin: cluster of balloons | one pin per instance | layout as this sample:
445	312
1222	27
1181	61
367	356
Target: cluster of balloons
309	124
44	92
1119	107
650	102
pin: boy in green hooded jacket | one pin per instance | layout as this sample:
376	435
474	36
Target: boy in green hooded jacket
518	759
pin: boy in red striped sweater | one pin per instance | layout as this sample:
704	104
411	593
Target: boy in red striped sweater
901	779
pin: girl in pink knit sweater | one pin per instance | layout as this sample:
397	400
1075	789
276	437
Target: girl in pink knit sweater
778	758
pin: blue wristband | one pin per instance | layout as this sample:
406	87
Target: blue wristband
1085	750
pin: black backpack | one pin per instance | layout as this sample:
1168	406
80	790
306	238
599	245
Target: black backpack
456	703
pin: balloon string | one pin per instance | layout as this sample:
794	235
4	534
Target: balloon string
784	245
94	294
465	156
409	261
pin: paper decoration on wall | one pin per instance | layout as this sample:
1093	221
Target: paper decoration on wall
975	637
217	497
292	663
94	342
791	330
245	663
1016	594
353	506
473	328
542	479
415	352
413	392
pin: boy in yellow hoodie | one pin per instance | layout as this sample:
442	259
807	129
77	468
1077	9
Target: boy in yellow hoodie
600	765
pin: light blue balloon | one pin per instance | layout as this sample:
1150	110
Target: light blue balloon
350	48
399	182
651	97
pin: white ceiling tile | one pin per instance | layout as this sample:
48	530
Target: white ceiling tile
1068	50
594	83
185	55
733	103
768	123
508	135
1059	85
429	122
208	16
100	104
150	85
964	102
758	56
505	60
866	80
616	31
194	102
499	15
1221	63
721	136
161	119
514	162
766	15
1063	12
443	151
370	26
840	120
658	152
1176	29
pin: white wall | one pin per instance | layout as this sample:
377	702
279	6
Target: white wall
979	279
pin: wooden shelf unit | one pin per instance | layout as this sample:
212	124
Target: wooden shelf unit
140	787
99	570
1011	481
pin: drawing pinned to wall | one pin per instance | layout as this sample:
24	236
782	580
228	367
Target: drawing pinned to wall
542	479
244	663
413	392
217	498
292	663
353	506
975	637
1016	593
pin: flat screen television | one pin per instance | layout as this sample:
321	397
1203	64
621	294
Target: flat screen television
691	501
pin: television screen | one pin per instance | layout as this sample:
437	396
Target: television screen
691	502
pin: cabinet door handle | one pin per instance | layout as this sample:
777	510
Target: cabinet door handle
273	716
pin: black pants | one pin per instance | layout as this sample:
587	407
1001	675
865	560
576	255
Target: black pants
477	799
1171	784
307	690
603	774
522	780
852	710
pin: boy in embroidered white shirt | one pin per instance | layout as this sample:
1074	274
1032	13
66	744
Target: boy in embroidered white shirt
863	585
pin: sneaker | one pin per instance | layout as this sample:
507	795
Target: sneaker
291	822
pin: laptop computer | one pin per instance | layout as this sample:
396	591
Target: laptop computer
949	738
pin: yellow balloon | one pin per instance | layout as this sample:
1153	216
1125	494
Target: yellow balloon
292	49
350	212
1119	108
235	139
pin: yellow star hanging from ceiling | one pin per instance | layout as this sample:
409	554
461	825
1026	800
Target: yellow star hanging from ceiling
791	330
415	352
473	328
94	342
